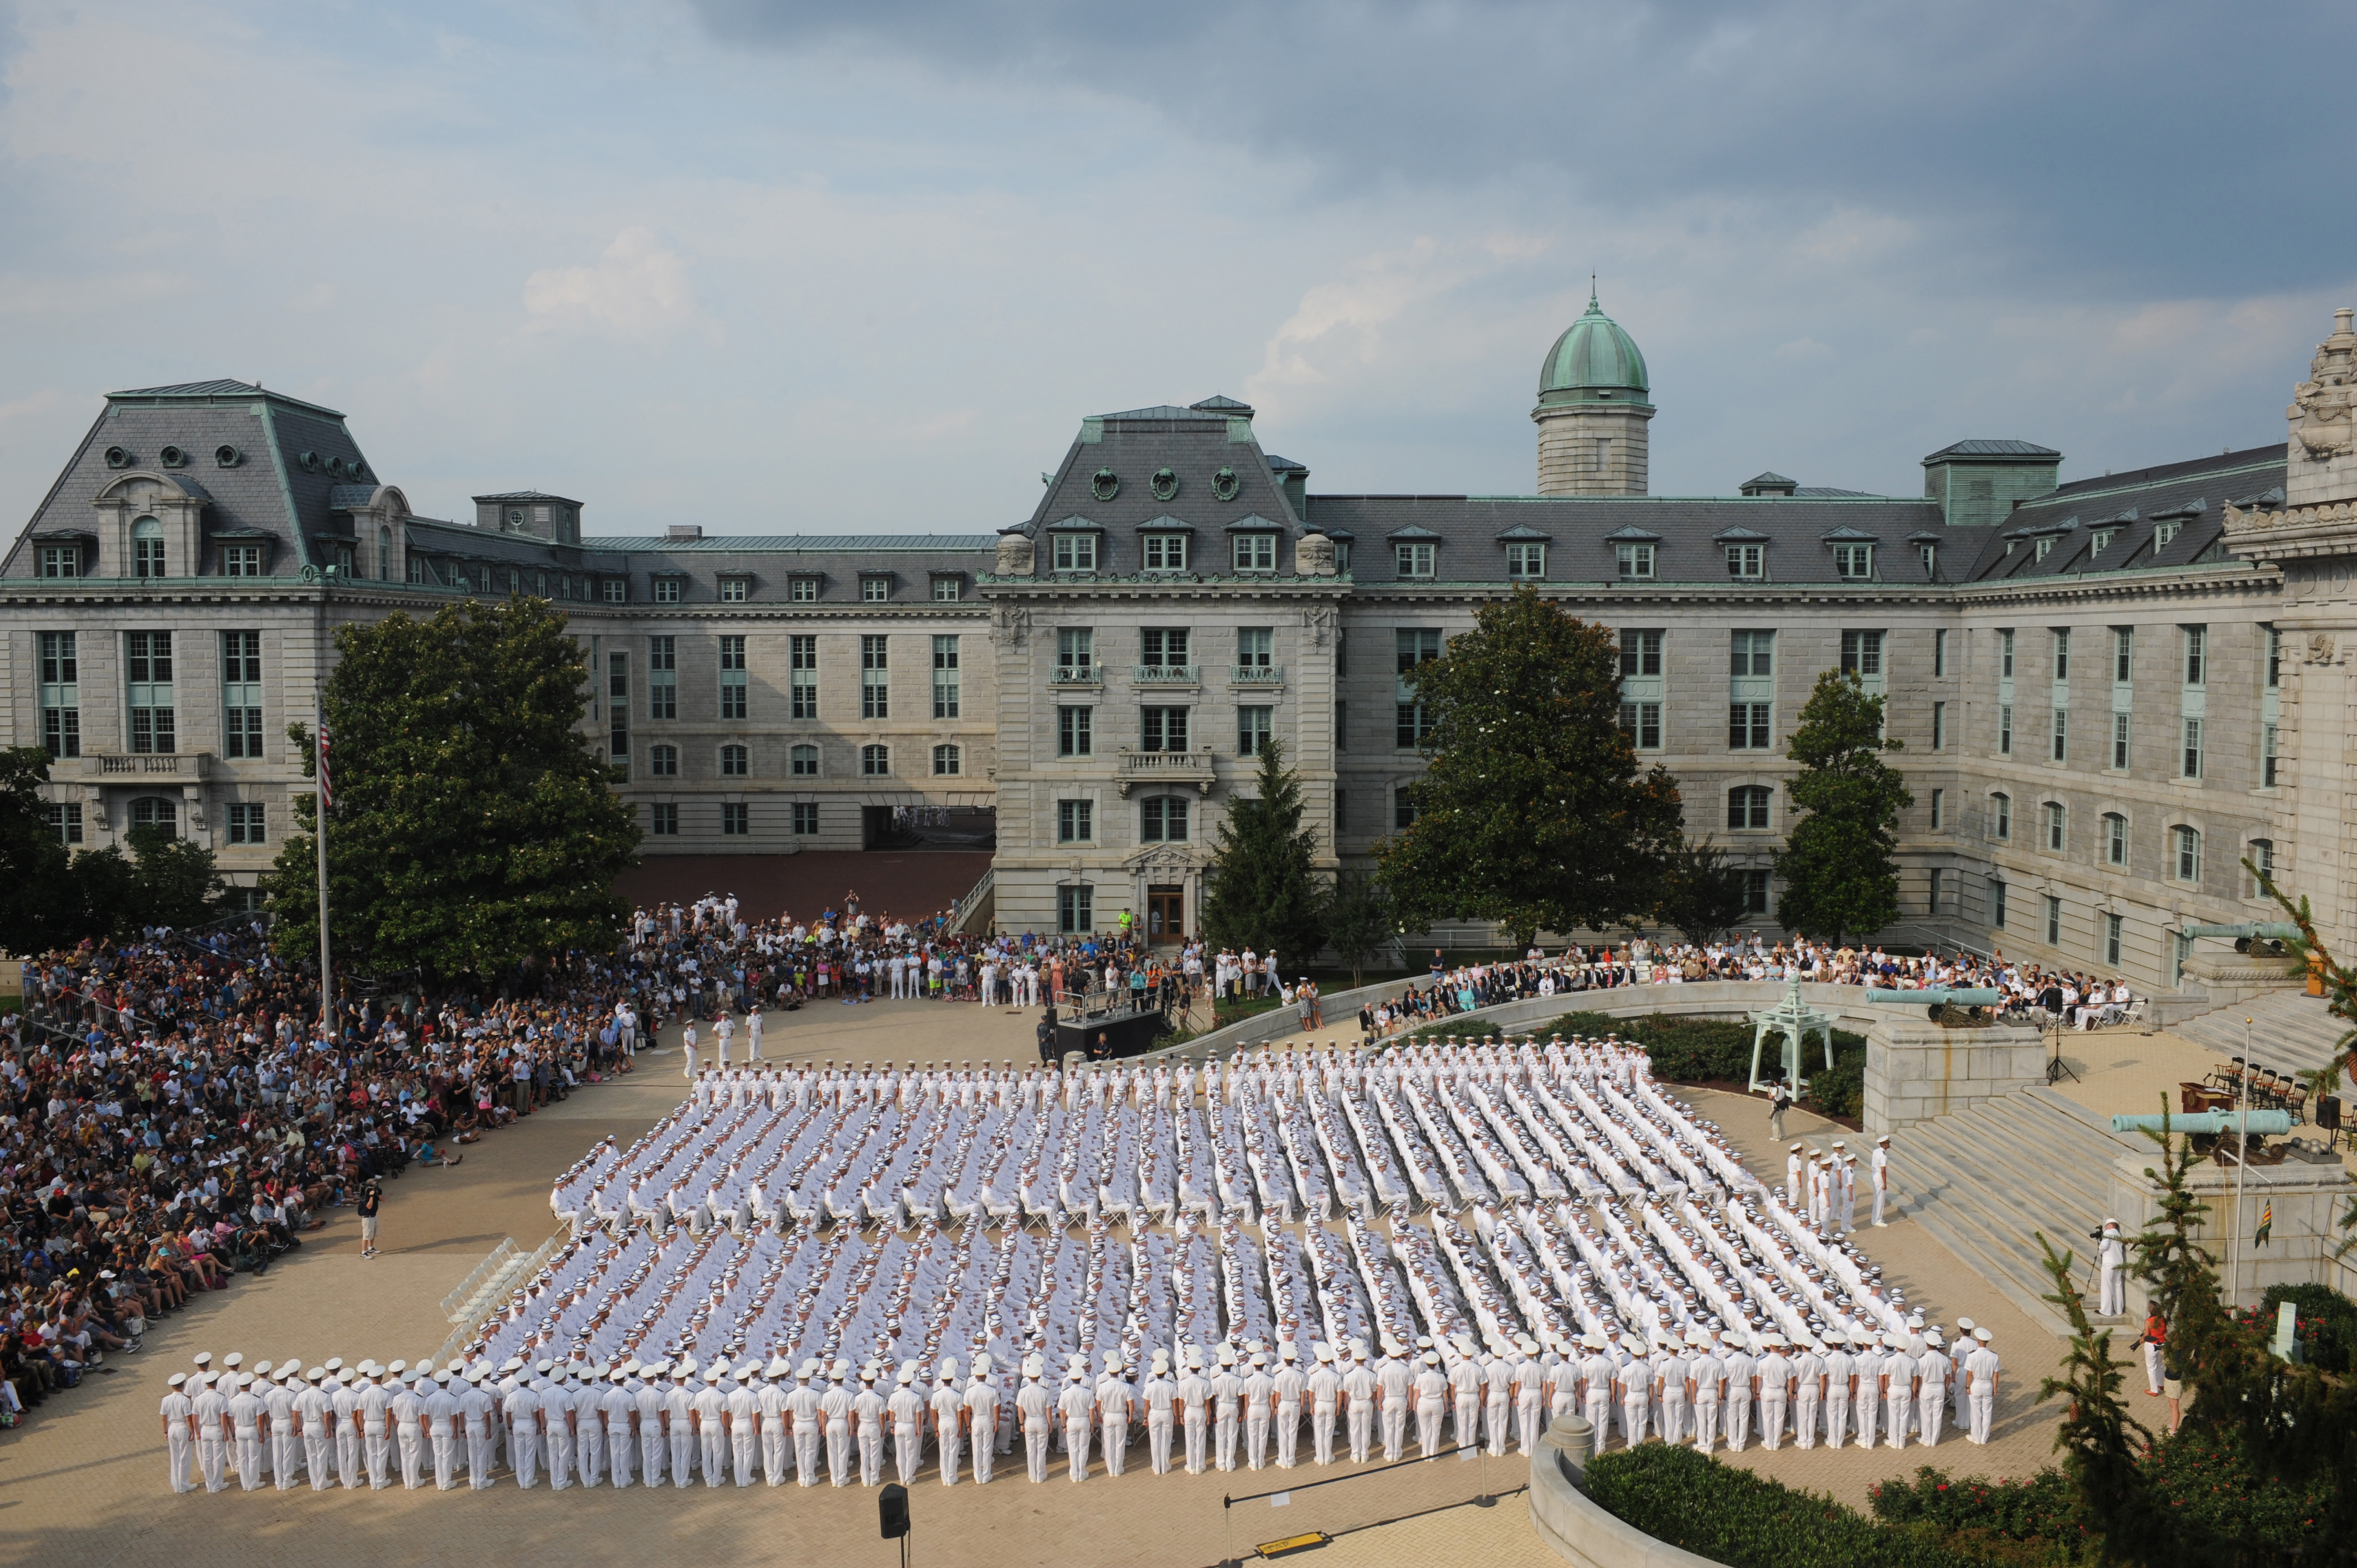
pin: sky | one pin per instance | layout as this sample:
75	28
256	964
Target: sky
772	267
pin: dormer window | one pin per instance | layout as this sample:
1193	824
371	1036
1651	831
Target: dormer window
1255	551
1411	558
1854	562
2044	546
1073	552
736	590
875	590
1168	552
666	589
803	590
2099	541
1634	563
2164	535
1930	554
1525	562
61	561
1746	562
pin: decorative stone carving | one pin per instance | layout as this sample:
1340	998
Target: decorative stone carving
1017	555
1013	625
1319	621
2319	648
2320	408
1313	556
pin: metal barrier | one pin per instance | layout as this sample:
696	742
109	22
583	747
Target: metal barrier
1321	1510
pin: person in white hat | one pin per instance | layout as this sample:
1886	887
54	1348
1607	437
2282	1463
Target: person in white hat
376	1426
804	1406
1157	1396
1868	1406
245	1413
1116	1409
286	1455
479	1415
315	1419
1898	1377
1981	1373
210	1411
835	1406
777	1421
1673	1389
982	1417
1881	1178
1932	1388
679	1419
408	1410
1957	1351
1808	1391
709	1419
948	1421
1079	1408
1259	1409
1530	1392
344	1397
440	1413
1325	1401
1594	1381
1227	1407
1740	1359
1036	1410
2111	1269
1194	1394
618	1413
179	1433
1841	1386
1430	1402
1775	1391
523	1419
1358	1401
742	1420
906	1408
556	1421
1292	1386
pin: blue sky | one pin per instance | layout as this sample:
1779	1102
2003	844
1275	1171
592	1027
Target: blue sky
772	267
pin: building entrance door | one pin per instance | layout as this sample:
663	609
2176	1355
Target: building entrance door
1166	914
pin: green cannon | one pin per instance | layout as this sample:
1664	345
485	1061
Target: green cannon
1936	1002
2249	934
2209	1124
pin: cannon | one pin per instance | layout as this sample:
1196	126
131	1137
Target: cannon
2249	934
1936	1001
2210	1124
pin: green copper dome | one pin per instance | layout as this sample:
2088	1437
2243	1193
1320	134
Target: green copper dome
1594	362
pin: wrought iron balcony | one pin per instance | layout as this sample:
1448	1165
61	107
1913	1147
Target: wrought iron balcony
1167	675
1256	674
1077	675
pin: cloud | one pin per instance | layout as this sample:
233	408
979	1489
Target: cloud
636	290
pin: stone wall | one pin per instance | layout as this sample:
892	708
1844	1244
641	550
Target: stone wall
1916	1070
2309	1200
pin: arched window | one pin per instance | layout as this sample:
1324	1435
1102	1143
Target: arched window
662	761
1163	820
146	548
803	760
2001	816
156	811
947	761
1748	806
2057	826
2115	838
2187	844
735	762
876	761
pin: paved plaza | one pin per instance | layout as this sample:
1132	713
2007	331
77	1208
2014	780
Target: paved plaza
84	1482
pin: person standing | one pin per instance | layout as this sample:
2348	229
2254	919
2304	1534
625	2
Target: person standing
1394	1398
2111	1268
408	1410
948	1421
1742	1388
370	1200
1195	1410
1775	1392
1359	1400
1036	1412
1881	1178
803	1405
1116	1404
743	1421
1840	1387
1431	1403
1595	1373
1160	1396
688	1043
1932	1390
1259	1408
1809	1392
315	1414
1325	1398
179	1433
1709	1383
835	1406
1077	1409
1529	1395
982	1419
907	1408
753	1035
1290	1388
2154	1344
1899	1374
1868	1404
1780	1100
1981	1370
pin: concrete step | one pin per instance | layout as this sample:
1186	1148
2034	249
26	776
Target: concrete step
1944	1199
2288	1031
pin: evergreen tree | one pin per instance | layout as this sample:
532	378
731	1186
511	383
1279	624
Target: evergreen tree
41	908
1839	861
1261	893
173	880
1702	896
474	830
1531	812
1358	921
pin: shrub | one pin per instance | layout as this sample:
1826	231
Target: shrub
2328	1324
2033	1517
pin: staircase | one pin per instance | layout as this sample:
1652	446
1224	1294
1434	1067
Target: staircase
1986	1180
2289	1032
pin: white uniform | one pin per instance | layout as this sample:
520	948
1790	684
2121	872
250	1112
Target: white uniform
1881	1181
210	1408
2112	1260
180	1445
1038	1413
982	1424
1980	1390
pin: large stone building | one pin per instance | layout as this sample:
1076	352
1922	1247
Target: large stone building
2112	690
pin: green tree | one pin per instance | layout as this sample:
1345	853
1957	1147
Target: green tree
1532	813
1263	894
39	908
474	830
1839	863
1702	896
173	880
1358	921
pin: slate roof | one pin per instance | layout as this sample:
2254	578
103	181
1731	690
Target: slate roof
1987	449
2191	496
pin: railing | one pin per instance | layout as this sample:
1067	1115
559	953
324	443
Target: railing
1165	675
973	899
1167	767
1076	675
1256	674
153	763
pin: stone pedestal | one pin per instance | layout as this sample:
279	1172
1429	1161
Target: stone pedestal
1916	1070
2230	979
2309	1201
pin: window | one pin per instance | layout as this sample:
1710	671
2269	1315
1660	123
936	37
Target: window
241	561
2191	760
874	589
2062	735
1341	726
803	590
2005	655
1341	812
2164	535
1075	910
614	588
1938	809
1414	647
1938	726
156	811
618	703
805	819
1751	653
662	761
241	694
2099	541
246	823
1163	820
146	548
1747	728
1749	561
2055	834
663	820
2061	653
802	761
1997	902
875	676
2001	817
1256	553
876	761
2120	743
1861	653
801	676
1526	563
1166	552
2053	912
948	590
1075	732
1412	559
1940	654
1417	647
1163	647
1256	647
2115	838
1854	562
2267	755
1641	652
1402	808
65	820
2043	547
948	760
1755	893
1747	808
1633	562
2274	657
1076	822
1931	905
2263	862
2188	845
663	677
666	589
148	665
735	762
1162	729
735	818
2122	654
1642	723
735	590
2197	645
1073	552
732	677
2005	729
1252	726
1341	554
1930	555
61	560
945	677
60	693
1075	650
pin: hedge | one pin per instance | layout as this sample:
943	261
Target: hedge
2019	1521
1731	1516
2328	1324
1705	1051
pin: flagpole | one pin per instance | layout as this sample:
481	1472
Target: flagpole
2242	1163
320	798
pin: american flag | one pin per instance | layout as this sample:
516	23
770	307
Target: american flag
327	785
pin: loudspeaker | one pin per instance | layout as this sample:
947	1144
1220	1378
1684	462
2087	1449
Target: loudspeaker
892	1511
